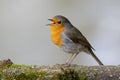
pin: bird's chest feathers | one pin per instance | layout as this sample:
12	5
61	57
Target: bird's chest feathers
56	35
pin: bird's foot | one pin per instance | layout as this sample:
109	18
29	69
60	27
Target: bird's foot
66	65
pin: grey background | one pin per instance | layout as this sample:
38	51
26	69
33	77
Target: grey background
25	38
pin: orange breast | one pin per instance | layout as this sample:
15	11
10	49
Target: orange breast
56	35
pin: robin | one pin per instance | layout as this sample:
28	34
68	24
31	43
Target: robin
69	38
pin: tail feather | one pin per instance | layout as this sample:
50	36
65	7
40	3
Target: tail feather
95	57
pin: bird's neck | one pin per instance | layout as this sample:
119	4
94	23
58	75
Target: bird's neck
68	26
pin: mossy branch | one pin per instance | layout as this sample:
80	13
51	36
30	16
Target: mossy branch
10	71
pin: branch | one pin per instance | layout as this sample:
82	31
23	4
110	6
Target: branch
10	71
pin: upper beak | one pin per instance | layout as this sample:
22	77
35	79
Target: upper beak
49	20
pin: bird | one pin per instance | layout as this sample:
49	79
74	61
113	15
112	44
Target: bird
69	38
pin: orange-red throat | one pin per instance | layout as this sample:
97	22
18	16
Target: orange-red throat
56	29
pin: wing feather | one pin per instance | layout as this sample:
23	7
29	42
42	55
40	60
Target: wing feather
77	37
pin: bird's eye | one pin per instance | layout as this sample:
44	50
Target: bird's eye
59	22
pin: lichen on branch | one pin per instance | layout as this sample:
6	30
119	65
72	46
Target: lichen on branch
11	71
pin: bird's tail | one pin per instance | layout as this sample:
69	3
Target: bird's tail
95	57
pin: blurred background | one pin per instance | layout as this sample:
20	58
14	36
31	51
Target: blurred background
25	38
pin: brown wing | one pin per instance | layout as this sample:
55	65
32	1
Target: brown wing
77	37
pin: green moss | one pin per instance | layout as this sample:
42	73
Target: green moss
29	76
70	74
23	72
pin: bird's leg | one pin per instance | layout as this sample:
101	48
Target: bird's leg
67	61
72	58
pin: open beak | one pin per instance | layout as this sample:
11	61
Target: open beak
50	23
